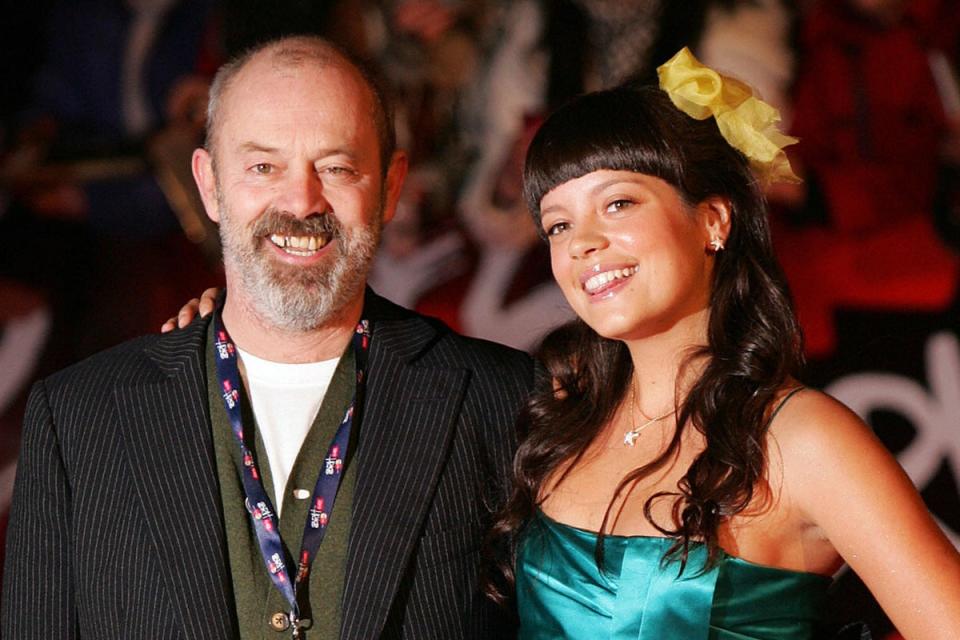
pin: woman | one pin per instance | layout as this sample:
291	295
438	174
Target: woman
675	480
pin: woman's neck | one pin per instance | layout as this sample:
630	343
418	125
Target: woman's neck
662	364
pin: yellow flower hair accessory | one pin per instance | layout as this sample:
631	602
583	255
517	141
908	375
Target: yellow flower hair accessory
747	123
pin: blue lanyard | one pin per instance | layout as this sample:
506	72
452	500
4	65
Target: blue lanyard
258	503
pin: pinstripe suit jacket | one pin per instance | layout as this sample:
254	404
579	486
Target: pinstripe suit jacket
116	528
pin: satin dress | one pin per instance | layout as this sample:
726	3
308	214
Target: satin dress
562	594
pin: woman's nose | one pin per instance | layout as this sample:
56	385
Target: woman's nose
586	238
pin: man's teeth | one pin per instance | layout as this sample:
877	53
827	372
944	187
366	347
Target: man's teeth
602	279
299	245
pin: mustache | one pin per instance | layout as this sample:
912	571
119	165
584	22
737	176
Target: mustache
282	223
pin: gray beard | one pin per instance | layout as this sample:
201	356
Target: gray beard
298	298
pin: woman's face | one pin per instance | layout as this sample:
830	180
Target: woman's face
629	255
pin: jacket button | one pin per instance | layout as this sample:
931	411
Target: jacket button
279	621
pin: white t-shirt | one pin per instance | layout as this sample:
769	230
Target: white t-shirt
285	399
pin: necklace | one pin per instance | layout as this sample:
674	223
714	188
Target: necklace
630	437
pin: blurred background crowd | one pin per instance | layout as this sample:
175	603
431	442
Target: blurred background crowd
102	236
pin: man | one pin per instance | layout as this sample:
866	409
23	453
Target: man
149	483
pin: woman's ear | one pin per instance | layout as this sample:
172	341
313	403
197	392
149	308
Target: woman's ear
715	213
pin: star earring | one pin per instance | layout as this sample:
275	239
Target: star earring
716	245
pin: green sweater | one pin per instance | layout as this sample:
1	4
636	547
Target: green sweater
255	596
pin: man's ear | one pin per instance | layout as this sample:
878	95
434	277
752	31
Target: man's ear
396	174
202	164
715	213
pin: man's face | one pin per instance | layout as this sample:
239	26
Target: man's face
296	183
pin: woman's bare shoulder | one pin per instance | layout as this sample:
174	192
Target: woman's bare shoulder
809	423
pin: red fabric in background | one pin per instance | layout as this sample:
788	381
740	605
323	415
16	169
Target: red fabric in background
869	116
871	124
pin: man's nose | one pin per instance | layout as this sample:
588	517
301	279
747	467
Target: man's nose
304	193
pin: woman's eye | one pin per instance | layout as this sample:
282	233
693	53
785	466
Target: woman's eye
618	205
556	229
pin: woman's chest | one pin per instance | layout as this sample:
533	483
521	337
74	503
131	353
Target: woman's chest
613	486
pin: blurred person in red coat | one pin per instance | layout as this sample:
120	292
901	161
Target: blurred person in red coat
877	128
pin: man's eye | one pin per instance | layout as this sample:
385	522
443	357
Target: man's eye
339	171
263	168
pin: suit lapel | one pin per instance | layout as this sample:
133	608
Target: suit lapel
169	448
407	427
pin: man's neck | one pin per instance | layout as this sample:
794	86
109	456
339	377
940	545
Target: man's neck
254	335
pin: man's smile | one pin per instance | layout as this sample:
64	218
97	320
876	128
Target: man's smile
300	245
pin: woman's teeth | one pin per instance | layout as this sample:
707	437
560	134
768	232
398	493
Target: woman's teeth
600	280
299	245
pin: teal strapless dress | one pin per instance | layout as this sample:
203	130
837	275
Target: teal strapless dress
562	594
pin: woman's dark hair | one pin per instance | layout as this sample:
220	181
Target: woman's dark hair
754	343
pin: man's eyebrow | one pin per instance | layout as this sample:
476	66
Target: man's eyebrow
256	147
252	147
336	151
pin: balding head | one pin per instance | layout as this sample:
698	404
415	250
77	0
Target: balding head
291	53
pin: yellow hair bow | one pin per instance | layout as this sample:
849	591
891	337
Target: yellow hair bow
747	123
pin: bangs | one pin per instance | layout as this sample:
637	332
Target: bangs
614	130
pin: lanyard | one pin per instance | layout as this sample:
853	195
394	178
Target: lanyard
258	503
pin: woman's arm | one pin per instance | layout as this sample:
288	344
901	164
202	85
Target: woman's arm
204	305
846	483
